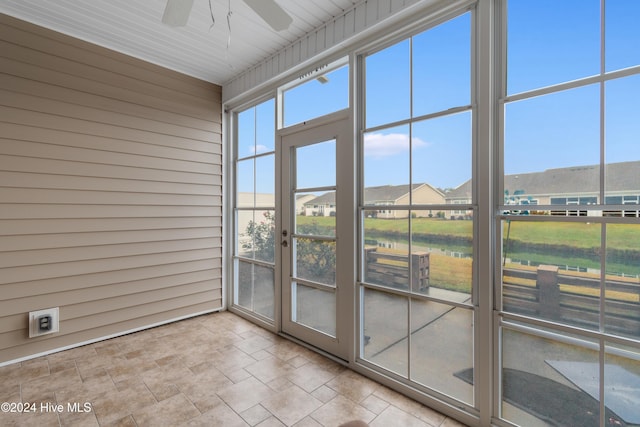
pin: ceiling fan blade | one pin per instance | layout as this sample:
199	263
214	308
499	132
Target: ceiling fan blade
271	13
176	13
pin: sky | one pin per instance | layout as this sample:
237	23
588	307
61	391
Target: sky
549	131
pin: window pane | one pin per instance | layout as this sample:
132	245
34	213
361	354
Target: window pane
442	67
548	142
448	366
442	254
263	291
315	260
621	391
386	164
550	42
265	127
623	280
254	288
316	165
244	284
388	85
385	330
316	214
245	223
386	252
545	379
247	133
256	235
622	34
329	92
321	222
256	129
622	170
265	181
441	155
315	308
245	183
551	270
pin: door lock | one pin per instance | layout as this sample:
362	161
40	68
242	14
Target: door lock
284	233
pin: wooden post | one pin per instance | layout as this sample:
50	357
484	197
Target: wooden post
368	259
548	292
419	271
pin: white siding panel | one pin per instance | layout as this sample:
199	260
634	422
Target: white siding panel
110	191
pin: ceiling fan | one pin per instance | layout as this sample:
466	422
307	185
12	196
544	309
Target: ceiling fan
176	13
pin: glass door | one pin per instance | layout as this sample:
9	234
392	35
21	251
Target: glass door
317	288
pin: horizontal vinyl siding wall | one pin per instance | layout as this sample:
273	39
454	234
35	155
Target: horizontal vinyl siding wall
110	191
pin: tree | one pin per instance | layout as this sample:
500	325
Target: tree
263	239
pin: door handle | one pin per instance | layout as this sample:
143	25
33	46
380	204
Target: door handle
285	244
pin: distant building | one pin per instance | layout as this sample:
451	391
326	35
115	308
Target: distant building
382	197
578	185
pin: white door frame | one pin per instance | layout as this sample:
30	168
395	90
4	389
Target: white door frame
336	126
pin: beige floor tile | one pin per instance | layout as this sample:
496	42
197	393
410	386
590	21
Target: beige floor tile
213	370
271	422
114	406
340	410
310	376
353	386
35	390
375	404
448	422
32	419
202	394
88	391
78	419
291	405
269	369
127	421
245	394
393	416
254	344
280	384
220	416
307	422
9	392
410	406
174	411
255	415
324	393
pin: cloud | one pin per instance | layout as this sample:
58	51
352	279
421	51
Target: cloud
380	145
259	148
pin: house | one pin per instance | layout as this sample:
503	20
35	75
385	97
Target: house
566	186
134	154
384	195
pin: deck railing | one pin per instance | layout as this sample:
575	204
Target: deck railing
548	294
392	269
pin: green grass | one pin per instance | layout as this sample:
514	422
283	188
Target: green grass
441	227
574	234
577	235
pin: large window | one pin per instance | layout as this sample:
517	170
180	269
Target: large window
416	260
254	251
570	308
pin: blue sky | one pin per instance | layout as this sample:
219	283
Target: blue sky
550	131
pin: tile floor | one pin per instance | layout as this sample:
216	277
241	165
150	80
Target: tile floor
213	370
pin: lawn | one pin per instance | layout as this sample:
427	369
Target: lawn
574	234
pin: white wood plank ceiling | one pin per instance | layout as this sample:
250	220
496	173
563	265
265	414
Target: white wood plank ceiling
199	49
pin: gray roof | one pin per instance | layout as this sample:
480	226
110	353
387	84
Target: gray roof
380	194
620	177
